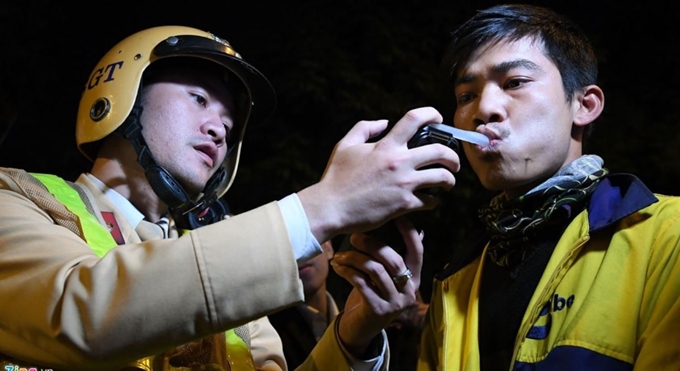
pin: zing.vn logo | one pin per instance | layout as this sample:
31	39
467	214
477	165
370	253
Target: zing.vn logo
17	368
541	328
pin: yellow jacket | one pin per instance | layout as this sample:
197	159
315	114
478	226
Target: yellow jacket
609	298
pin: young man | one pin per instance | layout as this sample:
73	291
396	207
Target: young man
572	268
132	265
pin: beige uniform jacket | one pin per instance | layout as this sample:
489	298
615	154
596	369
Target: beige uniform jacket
63	306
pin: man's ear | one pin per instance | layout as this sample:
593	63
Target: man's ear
588	105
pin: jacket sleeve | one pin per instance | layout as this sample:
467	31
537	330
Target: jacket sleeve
329	355
659	315
266	346
65	308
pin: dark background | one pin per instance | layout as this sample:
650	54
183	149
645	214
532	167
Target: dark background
334	63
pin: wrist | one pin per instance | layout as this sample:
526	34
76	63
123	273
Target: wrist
323	218
358	347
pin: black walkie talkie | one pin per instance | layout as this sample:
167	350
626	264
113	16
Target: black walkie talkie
430	134
388	232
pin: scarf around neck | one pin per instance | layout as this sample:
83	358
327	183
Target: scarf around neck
513	223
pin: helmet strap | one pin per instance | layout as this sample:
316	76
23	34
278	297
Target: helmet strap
166	187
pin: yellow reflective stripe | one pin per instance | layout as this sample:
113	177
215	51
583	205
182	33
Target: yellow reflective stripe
96	235
238	352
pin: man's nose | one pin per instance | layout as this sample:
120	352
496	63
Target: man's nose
490	105
214	126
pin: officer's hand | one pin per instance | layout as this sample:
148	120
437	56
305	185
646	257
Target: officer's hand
365	184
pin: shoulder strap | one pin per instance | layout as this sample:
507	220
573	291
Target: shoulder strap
31	188
95	234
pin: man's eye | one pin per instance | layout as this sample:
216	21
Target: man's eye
200	99
463	98
515	83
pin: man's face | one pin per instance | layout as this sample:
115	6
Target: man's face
186	121
314	272
513	93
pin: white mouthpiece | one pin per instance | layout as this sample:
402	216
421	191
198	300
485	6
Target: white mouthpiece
468	136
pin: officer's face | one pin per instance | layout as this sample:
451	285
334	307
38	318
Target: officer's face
187	118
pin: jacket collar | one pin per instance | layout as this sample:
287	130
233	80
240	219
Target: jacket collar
616	197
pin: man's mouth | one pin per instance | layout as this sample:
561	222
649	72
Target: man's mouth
209	153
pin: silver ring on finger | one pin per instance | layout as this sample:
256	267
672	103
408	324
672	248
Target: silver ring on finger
403	277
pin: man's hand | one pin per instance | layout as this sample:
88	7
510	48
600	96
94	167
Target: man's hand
378	296
366	184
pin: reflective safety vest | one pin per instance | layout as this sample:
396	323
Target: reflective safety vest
229	352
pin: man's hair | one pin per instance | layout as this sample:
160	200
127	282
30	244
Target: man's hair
564	43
